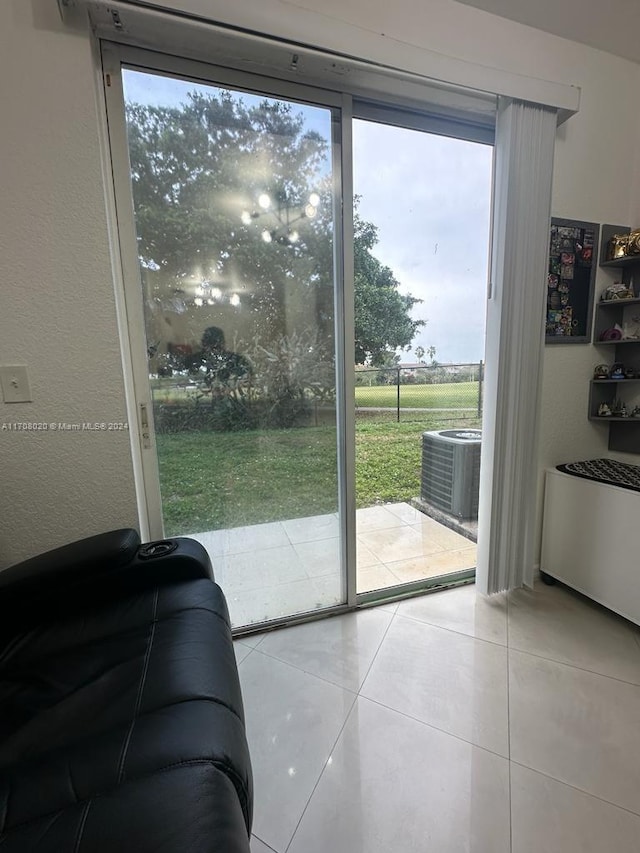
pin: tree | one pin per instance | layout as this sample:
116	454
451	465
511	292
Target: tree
382	314
197	171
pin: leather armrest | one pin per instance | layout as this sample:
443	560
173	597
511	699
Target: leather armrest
85	573
94	554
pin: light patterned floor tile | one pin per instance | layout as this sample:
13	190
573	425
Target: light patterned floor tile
293	720
462	609
450	681
551	817
394	784
576	726
559	624
339	649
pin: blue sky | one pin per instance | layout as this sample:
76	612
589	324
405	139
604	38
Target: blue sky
430	198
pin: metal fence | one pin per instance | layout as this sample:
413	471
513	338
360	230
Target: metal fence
439	392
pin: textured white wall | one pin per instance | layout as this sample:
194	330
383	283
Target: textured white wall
57	312
57	309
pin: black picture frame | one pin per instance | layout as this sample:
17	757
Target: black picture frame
571	278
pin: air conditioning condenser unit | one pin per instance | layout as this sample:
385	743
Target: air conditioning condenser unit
450	478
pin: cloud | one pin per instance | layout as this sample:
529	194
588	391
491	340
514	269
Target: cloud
430	198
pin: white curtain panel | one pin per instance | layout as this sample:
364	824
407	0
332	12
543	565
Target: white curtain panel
525	138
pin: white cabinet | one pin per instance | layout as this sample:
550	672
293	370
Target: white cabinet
591	540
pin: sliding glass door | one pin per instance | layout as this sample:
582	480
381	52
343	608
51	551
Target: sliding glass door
421	245
234	210
266	326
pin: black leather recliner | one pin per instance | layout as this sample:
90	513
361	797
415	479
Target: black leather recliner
121	718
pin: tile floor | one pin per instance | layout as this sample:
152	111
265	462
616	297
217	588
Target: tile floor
448	723
273	570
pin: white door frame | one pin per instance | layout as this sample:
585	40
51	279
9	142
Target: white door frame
128	285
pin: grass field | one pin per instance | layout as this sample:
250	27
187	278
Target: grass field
450	395
453	395
212	480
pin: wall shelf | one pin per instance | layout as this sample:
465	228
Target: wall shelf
621	342
611	419
621	262
619	303
624	433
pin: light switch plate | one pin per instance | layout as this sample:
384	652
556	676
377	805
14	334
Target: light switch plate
15	383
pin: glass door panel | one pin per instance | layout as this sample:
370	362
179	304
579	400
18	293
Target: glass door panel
421	241
235	220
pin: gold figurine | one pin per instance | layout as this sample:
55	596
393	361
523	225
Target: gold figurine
623	245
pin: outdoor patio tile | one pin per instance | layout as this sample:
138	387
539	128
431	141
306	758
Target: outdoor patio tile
375	577
405	512
248	607
263	568
312	528
215	541
374	518
432	565
255	537
443	536
399	543
321	557
365	558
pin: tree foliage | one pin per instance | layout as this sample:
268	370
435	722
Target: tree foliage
196	166
382	314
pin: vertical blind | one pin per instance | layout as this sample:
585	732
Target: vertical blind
525	139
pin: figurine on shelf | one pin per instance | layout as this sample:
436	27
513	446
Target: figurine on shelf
617	291
636	412
601	371
617	371
619	409
623	245
617	246
604	411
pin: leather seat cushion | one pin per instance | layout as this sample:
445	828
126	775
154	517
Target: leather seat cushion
166	812
137	687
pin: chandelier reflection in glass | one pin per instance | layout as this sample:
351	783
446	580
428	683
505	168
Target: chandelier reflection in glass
278	220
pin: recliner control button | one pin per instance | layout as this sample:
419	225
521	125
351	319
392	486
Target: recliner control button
157	549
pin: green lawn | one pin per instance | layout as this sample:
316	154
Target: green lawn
452	395
212	480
